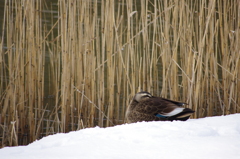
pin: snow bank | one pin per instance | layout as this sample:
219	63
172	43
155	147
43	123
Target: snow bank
208	138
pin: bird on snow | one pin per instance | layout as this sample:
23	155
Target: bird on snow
145	107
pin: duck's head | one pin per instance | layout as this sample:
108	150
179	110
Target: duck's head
141	96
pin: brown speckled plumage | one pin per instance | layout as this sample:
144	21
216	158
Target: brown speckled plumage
145	107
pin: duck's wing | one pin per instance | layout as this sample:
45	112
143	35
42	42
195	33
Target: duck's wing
137	116
160	107
172	101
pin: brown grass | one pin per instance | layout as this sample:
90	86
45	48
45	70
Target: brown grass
79	65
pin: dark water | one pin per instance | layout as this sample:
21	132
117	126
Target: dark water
2	2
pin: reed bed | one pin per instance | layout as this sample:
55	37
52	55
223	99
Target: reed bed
79	64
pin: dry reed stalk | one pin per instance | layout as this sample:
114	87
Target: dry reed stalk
26	68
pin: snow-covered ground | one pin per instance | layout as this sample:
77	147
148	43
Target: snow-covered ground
206	138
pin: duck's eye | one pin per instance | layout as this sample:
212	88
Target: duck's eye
146	96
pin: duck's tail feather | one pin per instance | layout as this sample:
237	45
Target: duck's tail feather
183	116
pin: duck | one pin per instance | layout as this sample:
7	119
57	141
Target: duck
145	107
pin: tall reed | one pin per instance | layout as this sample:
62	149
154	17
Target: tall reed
68	65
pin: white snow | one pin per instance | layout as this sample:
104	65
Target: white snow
206	138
